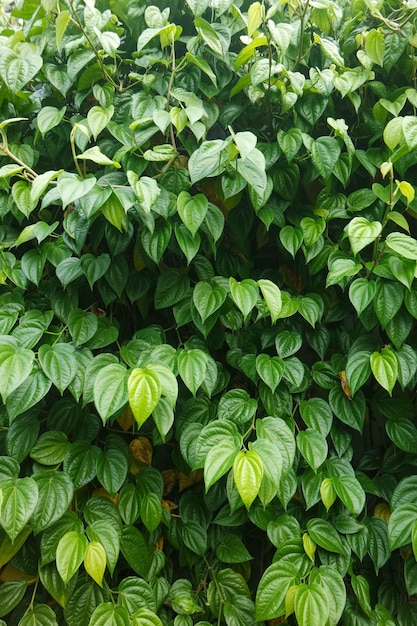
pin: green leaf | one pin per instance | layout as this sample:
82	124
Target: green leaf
209	35
98	119
146	190
375	46
56	492
18	501
109	614
350	492
82	326
192	210
385	368
313	447
388	299
361	293
151	511
112	469
273	588
358	370
325	535
317	415
291	238
325	152
16	70
109	537
34	388
59	364
192	367
290	142
207	160
61	23
361	233
236	405
272	296
311	604
155	243
404	245
48	118
219	460
195	537
95	561
110	390
72	187
71	550
199	61
52	582
85	598
39	615
270	369
244	294
329	579
172	286
311	307
144	391
208	299
95	267
349	411
11	593
96	155
15	367
80	462
403	433
248	473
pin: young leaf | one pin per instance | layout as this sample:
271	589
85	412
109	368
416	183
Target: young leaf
144	391
70	553
384	367
247	473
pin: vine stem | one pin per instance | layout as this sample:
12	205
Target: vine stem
4	147
76	20
219	591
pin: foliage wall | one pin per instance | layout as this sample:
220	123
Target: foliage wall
207	313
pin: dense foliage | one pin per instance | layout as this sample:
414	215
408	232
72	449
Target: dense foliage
208	354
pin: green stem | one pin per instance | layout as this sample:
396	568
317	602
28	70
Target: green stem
219	591
4	147
76	20
73	152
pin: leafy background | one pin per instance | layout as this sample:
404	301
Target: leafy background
208	301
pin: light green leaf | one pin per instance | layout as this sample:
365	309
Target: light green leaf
16	70
98	118
70	553
385	368
361	233
95	154
272	296
144	391
311	605
375	46
248	473
49	117
95	561
146	190
404	245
